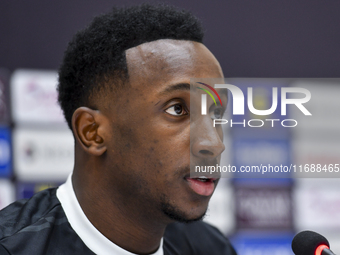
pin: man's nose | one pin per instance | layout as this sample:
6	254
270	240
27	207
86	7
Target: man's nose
205	140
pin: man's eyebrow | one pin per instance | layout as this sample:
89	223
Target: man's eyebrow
176	87
187	87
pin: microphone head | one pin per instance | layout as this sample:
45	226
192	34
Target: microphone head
306	242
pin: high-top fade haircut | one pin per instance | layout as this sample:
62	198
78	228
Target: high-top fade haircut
95	58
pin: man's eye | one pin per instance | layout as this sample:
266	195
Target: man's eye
176	110
217	113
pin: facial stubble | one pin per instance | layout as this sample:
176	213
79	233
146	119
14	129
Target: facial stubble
176	214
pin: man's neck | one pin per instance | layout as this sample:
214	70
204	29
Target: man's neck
118	220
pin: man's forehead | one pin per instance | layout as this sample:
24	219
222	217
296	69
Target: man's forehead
160	55
169	57
162	48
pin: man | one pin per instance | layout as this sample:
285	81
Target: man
124	89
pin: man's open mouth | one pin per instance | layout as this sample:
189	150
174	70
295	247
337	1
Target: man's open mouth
201	185
204	179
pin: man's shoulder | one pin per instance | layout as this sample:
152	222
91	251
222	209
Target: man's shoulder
38	226
27	212
196	238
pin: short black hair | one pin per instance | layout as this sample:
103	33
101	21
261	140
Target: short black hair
96	54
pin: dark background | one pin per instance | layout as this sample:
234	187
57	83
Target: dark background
251	38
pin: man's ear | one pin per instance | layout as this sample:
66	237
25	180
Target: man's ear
89	128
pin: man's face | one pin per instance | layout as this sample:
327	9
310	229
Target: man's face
149	154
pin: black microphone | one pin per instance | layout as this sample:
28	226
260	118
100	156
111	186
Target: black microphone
310	243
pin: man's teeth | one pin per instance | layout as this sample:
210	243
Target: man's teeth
202	179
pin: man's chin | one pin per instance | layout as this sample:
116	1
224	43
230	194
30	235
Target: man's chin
178	215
